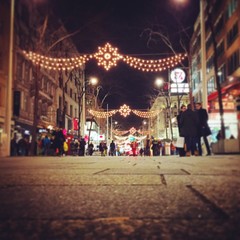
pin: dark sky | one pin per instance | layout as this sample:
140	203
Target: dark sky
121	23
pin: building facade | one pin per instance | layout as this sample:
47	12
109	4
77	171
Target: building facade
40	98
225	17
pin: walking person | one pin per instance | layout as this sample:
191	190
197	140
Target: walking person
46	145
181	151
204	130
112	148
155	147
189	129
134	146
147	146
101	148
82	147
90	149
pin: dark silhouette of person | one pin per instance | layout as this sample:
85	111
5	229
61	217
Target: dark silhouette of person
204	130
181	151
112	148
189	129
82	147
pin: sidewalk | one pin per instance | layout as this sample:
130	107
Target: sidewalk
98	197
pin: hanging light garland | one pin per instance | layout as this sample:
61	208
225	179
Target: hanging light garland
120	133
124	111
107	57
132	131
101	114
146	114
56	63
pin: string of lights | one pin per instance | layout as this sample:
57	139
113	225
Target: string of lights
124	111
107	57
101	114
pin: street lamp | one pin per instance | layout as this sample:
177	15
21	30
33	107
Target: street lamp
159	82
165	92
93	81
81	98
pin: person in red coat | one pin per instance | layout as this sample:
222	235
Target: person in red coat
134	146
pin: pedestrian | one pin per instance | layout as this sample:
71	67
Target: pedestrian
14	146
101	148
90	149
204	130
155	147
46	145
23	147
141	151
112	148
181	150
134	146
147	146
65	148
82	145
189	129
58	141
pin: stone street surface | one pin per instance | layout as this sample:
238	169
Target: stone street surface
96	197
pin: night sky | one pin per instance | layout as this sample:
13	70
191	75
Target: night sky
122	24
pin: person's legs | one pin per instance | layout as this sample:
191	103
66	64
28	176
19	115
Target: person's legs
199	145
188	146
207	145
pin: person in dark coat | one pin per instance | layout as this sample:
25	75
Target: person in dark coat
101	148
112	149
189	129
147	146
181	151
82	147
204	130
155	147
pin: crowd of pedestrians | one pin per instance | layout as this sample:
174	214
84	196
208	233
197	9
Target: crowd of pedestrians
192	125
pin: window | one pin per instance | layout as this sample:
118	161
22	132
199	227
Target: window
195	73
60	102
2	95
211	85
1	60
233	62
220	49
71	92
19	68
219	26
222	73
232	34
25	103
26	73
66	105
209	64
232	6
71	110
209	43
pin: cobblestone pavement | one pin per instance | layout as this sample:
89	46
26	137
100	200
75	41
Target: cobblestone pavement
98	197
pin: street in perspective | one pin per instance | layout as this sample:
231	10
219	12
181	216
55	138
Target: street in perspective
120	120
120	197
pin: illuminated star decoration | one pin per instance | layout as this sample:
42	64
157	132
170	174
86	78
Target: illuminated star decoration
124	110
107	56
